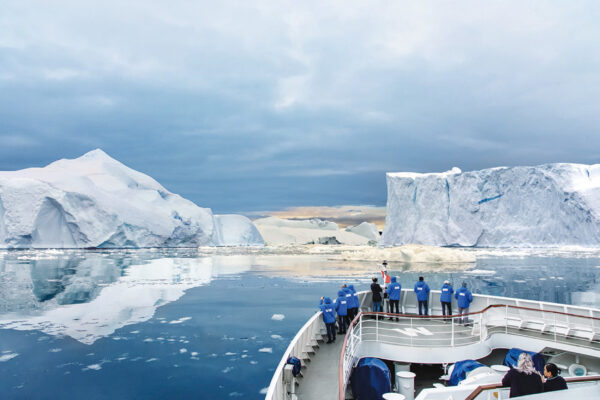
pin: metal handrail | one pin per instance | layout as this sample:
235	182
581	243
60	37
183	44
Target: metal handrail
341	373
490	386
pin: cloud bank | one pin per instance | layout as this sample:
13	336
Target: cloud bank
294	103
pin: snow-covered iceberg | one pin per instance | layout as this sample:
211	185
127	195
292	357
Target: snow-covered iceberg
365	229
95	201
546	205
278	231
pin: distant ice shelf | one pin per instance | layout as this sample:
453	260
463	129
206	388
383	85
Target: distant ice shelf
546	205
95	201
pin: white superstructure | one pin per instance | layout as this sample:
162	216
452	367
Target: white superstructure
566	335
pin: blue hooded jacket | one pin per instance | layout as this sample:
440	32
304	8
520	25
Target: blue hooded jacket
464	297
328	310
354	302
341	304
394	289
447	291
422	290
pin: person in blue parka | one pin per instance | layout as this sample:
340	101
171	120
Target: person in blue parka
353	303
464	299
341	308
328	310
446	298
422	292
394	291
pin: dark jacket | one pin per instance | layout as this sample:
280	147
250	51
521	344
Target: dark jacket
376	290
522	384
556	383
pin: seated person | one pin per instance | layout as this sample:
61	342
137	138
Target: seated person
553	380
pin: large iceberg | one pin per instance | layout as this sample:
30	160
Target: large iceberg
546	205
95	201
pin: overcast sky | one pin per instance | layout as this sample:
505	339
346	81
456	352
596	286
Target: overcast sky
262	105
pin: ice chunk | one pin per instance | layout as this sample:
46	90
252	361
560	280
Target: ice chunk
7	356
265	350
546	205
365	229
277	317
236	230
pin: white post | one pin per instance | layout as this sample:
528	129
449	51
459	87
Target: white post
452	336
405	384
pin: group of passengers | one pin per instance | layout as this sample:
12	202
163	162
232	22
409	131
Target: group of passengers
346	308
346	305
524	379
393	293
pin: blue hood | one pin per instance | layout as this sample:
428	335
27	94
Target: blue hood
393	279
351	287
327	300
420	283
341	293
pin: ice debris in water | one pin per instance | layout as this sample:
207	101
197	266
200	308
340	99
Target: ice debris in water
95	367
276	337
227	370
54	350
7	355
263	390
183	351
265	350
180	320
278	317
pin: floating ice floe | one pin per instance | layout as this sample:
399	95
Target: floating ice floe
277	337
182	351
227	370
7	356
180	320
265	350
277	317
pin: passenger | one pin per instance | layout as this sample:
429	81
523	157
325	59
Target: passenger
376	290
446	298
523	379
350	303
422	292
353	304
464	297
341	308
553	380
394	291
328	317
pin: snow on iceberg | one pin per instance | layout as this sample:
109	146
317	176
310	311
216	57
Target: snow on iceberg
365	229
95	201
546	205
236	230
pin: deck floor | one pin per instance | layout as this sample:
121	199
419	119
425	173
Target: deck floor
320	378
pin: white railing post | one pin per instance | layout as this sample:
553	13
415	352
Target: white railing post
481	327
554	327
506	318
452	335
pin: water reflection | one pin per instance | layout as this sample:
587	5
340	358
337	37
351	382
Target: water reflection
89	298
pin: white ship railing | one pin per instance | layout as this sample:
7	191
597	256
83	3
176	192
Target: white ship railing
300	347
558	319
477	327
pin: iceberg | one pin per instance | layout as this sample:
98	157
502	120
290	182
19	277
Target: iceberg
365	229
278	231
94	201
540	206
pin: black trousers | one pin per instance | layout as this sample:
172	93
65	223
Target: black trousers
342	323
446	306
423	307
396	304
330	331
352	312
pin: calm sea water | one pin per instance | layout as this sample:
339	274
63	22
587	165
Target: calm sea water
181	324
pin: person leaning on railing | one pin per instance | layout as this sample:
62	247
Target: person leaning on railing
464	299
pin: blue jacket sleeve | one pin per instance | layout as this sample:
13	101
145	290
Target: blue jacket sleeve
470	297
427	288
